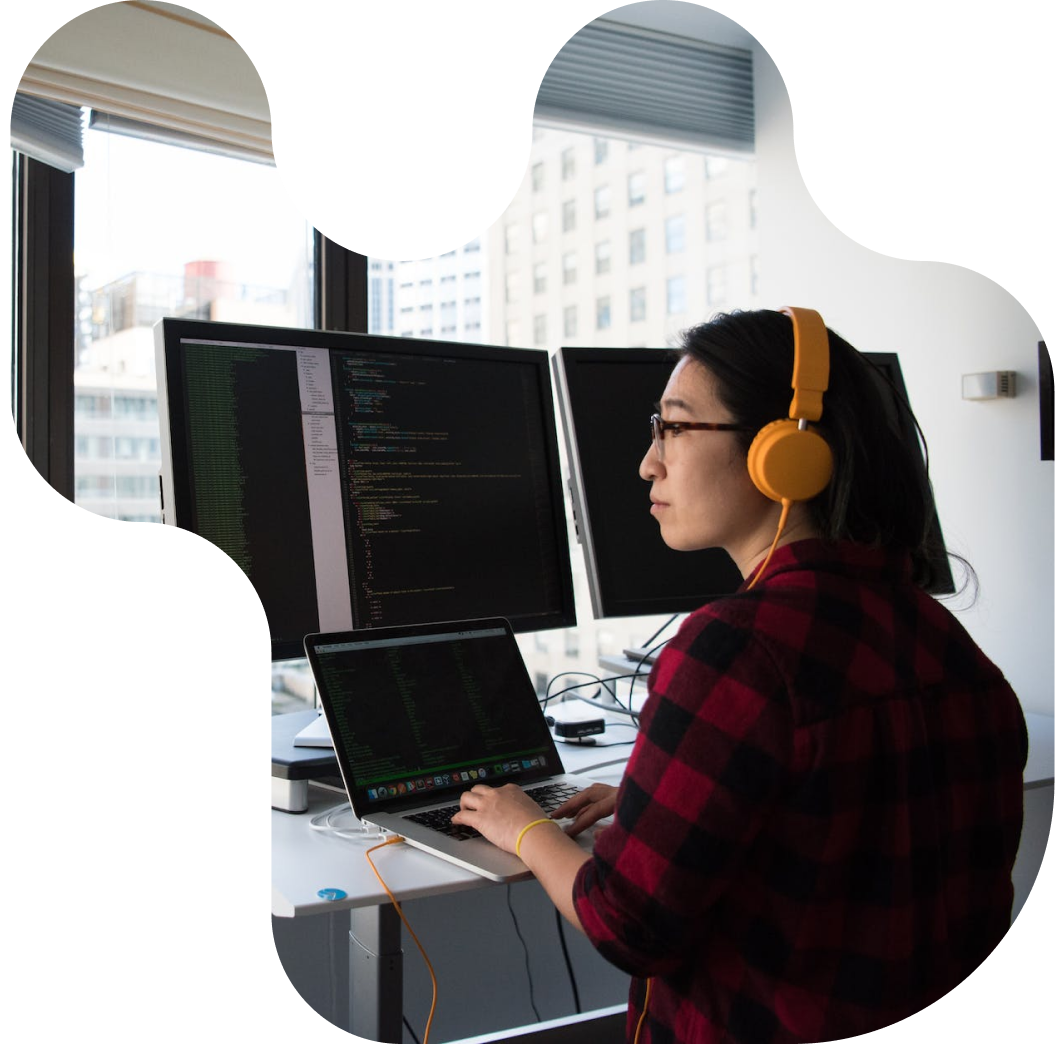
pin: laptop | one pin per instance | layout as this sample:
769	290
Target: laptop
418	714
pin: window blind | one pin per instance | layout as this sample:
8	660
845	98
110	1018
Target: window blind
651	86
156	65
48	131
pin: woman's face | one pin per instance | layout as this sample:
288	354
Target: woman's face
702	496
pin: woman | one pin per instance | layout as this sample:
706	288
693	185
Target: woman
815	833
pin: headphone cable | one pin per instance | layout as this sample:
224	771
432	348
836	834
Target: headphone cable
786	507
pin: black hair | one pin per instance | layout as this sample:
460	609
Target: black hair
880	493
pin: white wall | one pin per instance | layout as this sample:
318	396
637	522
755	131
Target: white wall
994	494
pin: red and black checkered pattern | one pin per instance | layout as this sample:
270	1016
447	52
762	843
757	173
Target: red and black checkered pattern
815	834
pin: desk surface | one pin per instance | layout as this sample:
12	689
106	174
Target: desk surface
304	860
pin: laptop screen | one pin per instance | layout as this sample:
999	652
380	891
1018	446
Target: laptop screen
419	714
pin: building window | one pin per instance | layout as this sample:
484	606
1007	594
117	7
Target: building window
637	246
512	332
512	238
602	202
571	321
674	174
604	313
754	275
540	329
537	177
567	163
570	268
637	305
512	288
714	166
539	226
567	216
752	209
674	231
539	275
600	150
635	188
675	295
602	257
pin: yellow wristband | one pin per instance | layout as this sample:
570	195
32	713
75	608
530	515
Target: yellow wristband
524	831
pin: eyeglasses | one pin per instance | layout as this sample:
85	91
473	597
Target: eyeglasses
661	427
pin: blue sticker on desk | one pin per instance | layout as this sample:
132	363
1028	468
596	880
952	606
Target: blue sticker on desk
333	894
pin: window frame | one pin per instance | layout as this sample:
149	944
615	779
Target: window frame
44	313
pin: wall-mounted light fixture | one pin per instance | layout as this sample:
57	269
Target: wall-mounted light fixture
996	384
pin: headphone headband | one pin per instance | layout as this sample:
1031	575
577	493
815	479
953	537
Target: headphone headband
809	376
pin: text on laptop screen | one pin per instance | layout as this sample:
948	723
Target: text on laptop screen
432	713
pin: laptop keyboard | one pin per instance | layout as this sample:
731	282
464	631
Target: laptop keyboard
549	796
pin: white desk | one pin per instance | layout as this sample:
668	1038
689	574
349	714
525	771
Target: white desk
305	861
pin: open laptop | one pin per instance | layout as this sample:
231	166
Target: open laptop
418	714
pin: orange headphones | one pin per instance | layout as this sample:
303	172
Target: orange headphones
788	461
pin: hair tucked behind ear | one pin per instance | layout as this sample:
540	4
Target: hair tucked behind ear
880	493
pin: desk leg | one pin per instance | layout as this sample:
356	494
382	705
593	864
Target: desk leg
375	969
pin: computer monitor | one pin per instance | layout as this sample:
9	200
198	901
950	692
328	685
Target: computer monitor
606	396
364	480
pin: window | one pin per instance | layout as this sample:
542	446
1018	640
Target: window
675	295
512	333
571	321
512	239
512	288
539	273
567	216
674	174
538	171
539	226
754	275
635	189
567	163
714	166
602	257
600	150
752	209
637	305
602	202
569	267
604	313
539	327
637	246
674	231
224	246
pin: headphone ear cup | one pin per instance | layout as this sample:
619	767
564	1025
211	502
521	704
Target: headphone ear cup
787	463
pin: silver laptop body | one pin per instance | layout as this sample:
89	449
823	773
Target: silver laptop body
418	714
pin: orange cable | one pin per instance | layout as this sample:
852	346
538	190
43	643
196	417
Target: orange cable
399	910
773	547
644	1010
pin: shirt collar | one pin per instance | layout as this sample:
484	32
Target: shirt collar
864	562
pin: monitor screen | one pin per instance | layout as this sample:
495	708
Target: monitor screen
606	396
363	480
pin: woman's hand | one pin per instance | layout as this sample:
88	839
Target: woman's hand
498	813
586	808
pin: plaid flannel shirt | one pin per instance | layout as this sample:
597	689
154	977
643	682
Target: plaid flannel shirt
815	833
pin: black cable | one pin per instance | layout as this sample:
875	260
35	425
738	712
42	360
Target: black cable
567	960
527	957
410	1031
